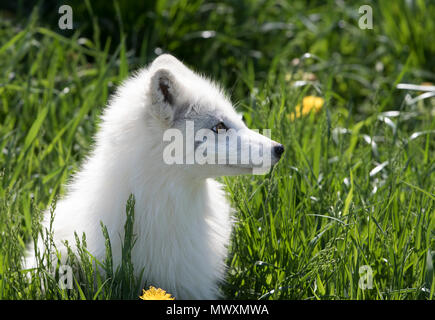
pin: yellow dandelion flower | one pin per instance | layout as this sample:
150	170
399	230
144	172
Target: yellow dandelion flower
427	84
155	294
309	103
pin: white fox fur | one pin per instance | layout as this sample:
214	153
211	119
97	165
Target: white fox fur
182	219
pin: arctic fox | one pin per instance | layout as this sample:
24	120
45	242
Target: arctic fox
183	220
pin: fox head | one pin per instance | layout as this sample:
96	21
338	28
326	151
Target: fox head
203	132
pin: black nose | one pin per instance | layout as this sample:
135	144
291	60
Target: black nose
278	150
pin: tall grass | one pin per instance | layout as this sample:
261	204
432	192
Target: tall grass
355	187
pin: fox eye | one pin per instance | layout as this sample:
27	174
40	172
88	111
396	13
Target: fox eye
219	126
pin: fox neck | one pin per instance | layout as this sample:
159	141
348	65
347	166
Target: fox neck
169	192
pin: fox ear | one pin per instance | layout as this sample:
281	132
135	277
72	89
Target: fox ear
164	92
164	87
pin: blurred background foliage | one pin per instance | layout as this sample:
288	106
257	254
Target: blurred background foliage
221	38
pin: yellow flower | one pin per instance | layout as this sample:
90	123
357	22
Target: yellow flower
309	103
155	294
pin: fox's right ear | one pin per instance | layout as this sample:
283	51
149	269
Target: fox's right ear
164	91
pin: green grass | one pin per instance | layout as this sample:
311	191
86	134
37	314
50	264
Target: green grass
356	186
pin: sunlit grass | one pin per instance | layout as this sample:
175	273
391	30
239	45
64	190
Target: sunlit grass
356	185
